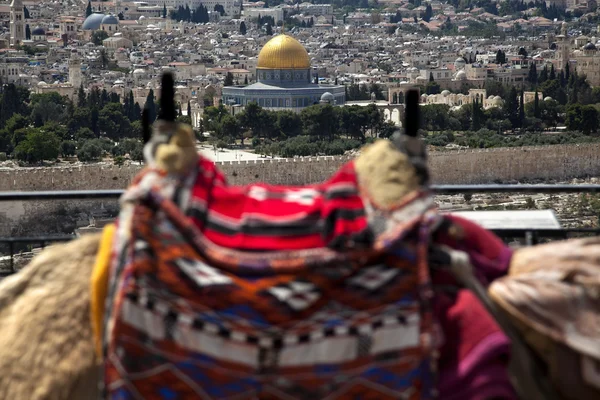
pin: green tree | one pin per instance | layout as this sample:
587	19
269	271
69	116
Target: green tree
231	128
48	107
81	118
90	151
164	15
500	57
353	121
432	87
37	146
253	117
15	123
113	122
84	134
319	121
289	124
68	148
136	129
12	103
127	147
476	121
81	99
428	13
88	9
150	106
57	129
228	79
269	30
104	59
243	28
27	32
98	37
511	107
532	76
26	14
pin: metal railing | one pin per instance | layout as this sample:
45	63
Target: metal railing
531	235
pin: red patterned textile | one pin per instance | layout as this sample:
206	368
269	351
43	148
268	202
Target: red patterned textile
267	292
266	217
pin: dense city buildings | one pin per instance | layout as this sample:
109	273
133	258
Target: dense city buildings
524	66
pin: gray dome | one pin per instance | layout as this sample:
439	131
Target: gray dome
93	22
110	20
328	97
38	30
589	46
459	63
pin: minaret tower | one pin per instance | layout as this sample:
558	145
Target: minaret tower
75	76
17	22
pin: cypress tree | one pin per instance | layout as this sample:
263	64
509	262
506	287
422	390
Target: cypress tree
164	10
189	110
127	107
137	112
88	10
532	74
552	73
81	96
511	107
151	106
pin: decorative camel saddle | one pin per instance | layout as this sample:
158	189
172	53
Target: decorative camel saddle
267	292
273	292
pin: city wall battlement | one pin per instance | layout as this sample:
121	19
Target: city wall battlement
448	167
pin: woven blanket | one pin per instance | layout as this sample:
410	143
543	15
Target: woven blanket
325	309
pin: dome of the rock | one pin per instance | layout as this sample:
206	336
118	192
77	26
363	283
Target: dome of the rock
283	52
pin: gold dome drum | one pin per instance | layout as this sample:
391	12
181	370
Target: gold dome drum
283	52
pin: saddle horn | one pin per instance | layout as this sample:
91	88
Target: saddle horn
412	116
408	141
167	98
146	126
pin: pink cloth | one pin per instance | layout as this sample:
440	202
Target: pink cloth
475	354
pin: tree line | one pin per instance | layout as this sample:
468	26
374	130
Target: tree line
316	129
37	127
199	15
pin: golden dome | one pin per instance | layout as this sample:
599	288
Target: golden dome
283	52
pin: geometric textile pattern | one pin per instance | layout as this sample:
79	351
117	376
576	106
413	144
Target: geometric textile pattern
192	319
296	294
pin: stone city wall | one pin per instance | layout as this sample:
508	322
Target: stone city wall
448	167
452	167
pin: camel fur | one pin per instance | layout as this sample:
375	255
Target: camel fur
46	340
